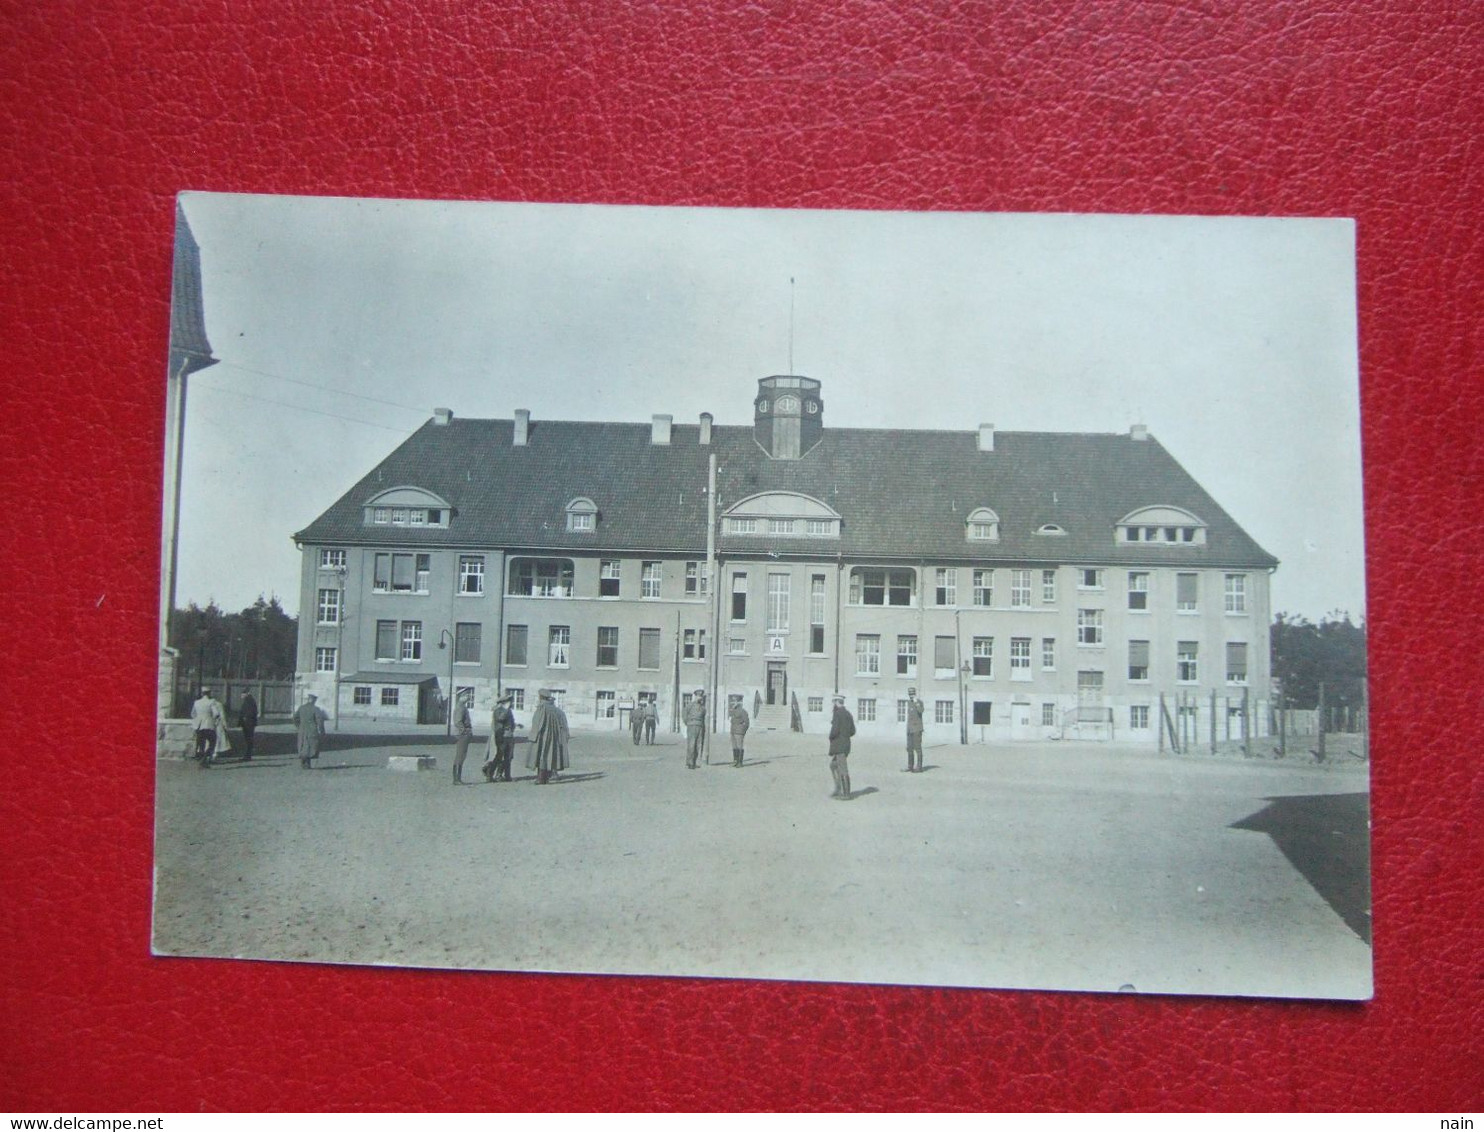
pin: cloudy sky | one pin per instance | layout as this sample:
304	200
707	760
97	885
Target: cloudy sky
341	324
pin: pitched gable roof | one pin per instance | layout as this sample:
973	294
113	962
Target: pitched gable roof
903	494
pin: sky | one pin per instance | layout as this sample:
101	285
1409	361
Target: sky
341	324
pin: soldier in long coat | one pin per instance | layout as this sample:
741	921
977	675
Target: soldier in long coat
309	723
549	740
501	742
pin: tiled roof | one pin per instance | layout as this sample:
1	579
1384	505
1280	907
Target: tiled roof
902	494
187	320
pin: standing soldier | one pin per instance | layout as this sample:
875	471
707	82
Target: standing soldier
842	727
914	731
695	727
502	741
463	725
309	724
636	721
740	722
206	722
549	738
247	719
651	718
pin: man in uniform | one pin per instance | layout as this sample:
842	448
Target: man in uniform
549	739
740	722
842	727
247	719
463	726
309	725
914	731
695	727
206	721
502	740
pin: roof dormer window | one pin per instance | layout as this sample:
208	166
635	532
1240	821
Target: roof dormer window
982	525
782	513
582	514
1162	526
406	507
1052	530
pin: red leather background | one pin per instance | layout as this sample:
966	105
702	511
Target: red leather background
1369	109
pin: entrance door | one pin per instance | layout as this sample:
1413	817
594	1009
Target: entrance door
777	683
1020	721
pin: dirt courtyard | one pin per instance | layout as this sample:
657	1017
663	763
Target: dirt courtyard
1080	867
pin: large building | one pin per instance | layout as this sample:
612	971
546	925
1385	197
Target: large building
1029	585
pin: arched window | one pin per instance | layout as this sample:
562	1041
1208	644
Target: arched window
982	525
1052	529
1162	526
406	506
782	513
582	514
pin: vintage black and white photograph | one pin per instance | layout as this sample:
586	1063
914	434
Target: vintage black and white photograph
944	599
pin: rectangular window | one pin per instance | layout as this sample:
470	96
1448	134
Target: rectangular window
945	656
609	573
400	573
906	656
559	647
412	640
467	642
982	713
1048	587
945	586
694	644
695	579
361	697
820	526
399	516
389	697
1138	717
649	579
816	613
1020	589
739	597
607	705
1187	592
901	711
1020	658
1236	593
580	520
1048	715
334	560
737	646
780	526
471	574
1090	688
649	649
329	607
744	526
984	588
1089	626
1048	654
1138	590
515	644
865	711
779	597
867	655
870	586
816	704
324	660
1186	670
942	711
1138	660
541	577
1090	580
518	698
1236	662
418	516
382	515
983	656
386	640
607	646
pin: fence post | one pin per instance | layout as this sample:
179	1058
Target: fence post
1213	721
1247	722
1320	719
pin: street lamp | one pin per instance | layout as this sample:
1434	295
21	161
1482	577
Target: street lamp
445	638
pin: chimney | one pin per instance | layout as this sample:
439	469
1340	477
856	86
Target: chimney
442	416
659	432
522	427
705	428
1139	432
986	438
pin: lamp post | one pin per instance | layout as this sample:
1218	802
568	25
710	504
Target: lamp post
963	713
445	639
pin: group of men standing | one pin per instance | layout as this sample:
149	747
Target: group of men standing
643	721
549	749
209	727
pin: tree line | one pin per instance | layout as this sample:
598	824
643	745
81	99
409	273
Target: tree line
257	643
1332	653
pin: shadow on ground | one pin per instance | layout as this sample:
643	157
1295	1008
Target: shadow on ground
1327	838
